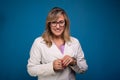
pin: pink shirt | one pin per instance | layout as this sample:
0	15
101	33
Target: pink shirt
62	48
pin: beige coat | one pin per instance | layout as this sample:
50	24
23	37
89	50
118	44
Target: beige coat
41	60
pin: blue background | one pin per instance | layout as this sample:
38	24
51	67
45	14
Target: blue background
96	23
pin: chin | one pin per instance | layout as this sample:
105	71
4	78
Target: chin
58	34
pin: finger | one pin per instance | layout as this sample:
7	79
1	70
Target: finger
66	62
65	59
59	63
59	67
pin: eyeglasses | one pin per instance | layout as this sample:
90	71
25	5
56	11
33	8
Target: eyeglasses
61	23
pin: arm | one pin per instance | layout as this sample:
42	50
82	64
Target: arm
81	65
35	66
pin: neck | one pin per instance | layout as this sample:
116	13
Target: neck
58	40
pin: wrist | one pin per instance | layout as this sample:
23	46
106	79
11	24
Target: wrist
74	62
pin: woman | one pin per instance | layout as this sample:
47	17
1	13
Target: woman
56	55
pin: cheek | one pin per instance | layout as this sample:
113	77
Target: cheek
64	29
52	30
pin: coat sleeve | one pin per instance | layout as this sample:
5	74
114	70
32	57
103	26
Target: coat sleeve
81	65
35	66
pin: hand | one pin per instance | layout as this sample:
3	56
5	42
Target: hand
67	60
57	65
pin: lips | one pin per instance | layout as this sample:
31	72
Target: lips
58	30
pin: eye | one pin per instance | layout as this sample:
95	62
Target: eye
62	22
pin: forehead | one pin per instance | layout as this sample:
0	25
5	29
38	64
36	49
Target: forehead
57	17
60	17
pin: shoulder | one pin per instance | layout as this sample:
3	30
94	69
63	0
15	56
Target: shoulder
74	40
39	40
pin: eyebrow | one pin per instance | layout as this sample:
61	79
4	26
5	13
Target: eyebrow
57	21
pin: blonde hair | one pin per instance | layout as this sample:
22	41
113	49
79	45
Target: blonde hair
53	15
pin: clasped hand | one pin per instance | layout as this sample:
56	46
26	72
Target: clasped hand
61	64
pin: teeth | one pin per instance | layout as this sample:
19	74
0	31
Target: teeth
57	30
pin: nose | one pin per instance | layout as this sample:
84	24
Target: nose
57	26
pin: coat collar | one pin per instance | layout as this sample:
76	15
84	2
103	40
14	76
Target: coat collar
69	43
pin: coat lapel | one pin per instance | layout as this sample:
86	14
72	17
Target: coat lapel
68	49
56	52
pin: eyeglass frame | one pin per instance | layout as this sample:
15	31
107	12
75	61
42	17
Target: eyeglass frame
55	23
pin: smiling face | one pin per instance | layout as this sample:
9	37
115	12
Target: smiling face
57	27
